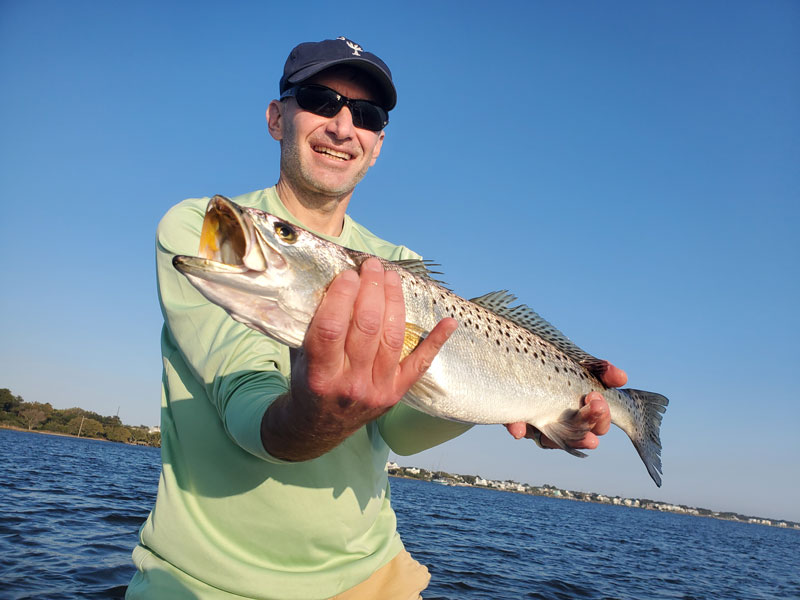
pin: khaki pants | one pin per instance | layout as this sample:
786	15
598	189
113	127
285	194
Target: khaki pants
402	578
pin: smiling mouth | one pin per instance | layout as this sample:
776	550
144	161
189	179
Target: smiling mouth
330	152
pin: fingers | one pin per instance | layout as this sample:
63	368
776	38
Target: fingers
416	363
517	430
594	418
355	340
613	376
390	344
595	413
325	339
366	326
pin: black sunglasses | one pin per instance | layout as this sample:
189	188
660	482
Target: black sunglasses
325	102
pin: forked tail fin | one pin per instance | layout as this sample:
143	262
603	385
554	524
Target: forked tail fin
646	438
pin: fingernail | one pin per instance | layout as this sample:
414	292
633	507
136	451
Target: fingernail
372	264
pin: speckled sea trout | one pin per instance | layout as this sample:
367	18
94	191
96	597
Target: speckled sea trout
503	364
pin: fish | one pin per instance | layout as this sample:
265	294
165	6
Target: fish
503	364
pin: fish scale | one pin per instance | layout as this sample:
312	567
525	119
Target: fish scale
509	358
503	364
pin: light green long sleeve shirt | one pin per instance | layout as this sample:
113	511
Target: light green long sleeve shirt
230	520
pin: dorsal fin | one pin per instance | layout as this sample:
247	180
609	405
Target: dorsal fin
421	268
500	303
416	266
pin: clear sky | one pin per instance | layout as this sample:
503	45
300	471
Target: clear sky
630	170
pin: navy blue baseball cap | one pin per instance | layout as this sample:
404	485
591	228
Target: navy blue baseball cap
309	58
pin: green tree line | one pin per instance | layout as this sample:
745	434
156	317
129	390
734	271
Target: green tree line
35	416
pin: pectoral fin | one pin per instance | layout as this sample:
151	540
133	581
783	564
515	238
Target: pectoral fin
563	432
414	335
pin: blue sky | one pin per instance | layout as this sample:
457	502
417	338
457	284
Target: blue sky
629	170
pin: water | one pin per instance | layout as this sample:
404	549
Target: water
496	545
70	510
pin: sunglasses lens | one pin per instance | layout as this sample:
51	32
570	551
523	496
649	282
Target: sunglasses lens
320	101
327	103
368	116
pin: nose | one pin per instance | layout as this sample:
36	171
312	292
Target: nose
341	125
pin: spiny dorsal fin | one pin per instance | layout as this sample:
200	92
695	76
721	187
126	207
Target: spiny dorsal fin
416	266
500	303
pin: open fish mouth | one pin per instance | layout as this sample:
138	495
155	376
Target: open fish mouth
225	234
230	242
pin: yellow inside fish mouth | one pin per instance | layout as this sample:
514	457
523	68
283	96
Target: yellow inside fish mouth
222	237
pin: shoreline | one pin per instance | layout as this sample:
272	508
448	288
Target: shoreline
655	506
69	435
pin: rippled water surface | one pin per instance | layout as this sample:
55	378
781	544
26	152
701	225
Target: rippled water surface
70	510
488	544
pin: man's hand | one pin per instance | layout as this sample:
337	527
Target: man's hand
594	416
348	371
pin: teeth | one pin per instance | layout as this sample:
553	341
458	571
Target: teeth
332	153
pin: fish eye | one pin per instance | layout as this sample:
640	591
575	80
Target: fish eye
286	233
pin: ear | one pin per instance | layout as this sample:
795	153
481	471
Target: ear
376	152
275	120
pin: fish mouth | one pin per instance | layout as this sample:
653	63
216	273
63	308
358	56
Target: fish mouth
230	243
229	237
240	268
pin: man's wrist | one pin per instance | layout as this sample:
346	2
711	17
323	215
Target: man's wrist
295	431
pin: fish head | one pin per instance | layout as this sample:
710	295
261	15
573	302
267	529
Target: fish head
264	271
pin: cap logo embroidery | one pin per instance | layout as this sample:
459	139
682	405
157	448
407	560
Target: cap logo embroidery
352	45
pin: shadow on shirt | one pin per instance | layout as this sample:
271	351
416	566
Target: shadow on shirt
206	461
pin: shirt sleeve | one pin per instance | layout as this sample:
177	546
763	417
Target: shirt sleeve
407	430
241	370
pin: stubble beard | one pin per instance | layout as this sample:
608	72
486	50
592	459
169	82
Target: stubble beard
300	176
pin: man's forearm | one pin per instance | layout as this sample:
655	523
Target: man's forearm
296	433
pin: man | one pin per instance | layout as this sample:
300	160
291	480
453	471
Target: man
273	483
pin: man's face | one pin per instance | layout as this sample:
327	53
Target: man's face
327	155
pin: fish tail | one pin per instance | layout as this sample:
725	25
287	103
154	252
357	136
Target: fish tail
646	435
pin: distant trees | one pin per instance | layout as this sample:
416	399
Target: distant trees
118	433
35	416
8	401
85	427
